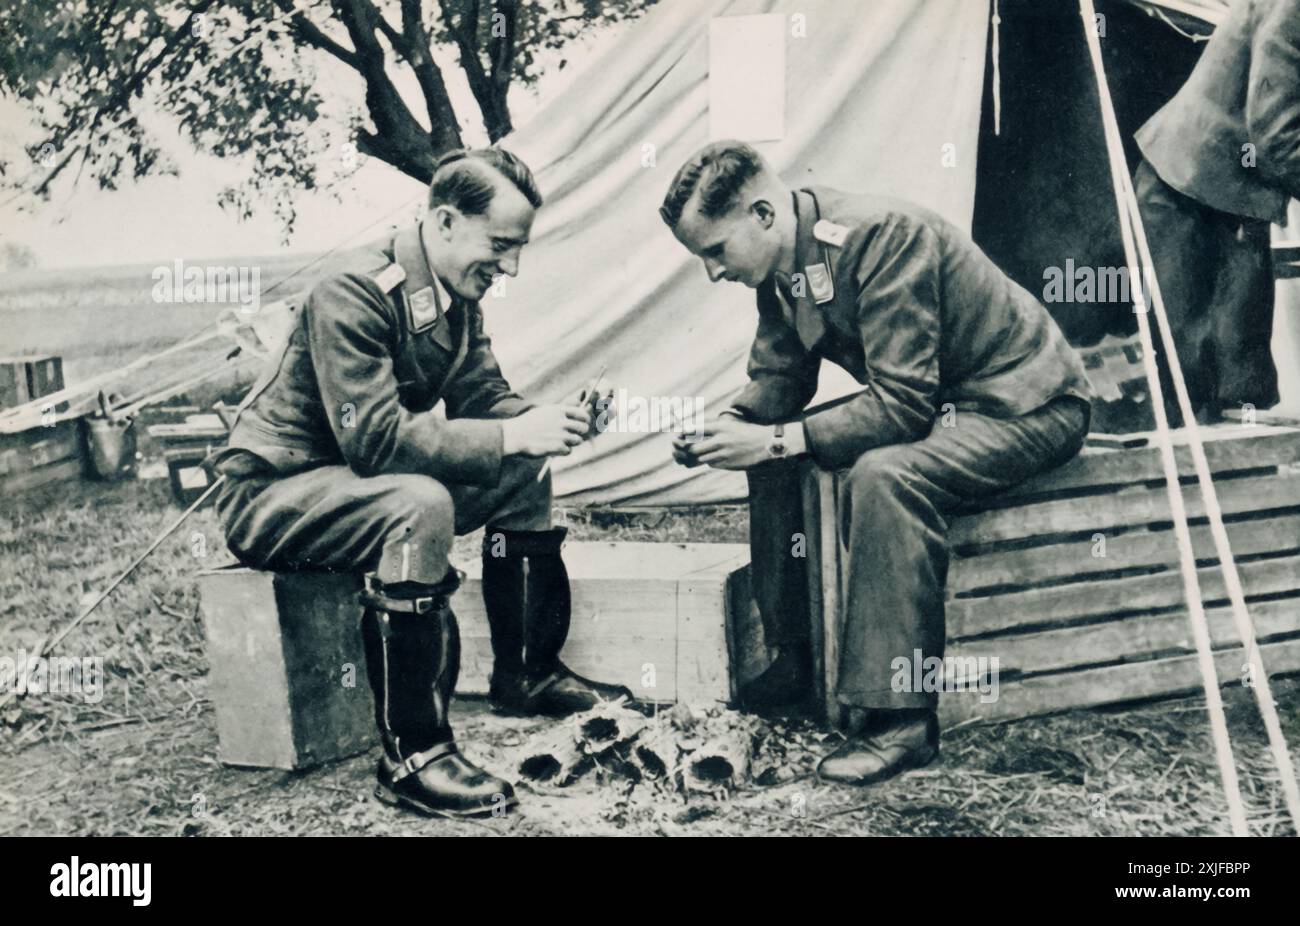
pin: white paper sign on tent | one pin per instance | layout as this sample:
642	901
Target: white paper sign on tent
747	77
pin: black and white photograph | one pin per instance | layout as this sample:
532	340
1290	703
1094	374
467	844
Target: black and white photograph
652	418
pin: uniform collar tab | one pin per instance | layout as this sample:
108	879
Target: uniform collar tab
426	299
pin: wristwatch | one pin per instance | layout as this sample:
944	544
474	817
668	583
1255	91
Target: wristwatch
776	448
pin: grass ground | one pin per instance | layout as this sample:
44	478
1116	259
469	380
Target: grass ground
142	759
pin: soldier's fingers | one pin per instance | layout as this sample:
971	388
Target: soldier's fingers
718	456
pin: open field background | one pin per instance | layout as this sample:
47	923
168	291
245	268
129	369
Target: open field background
100	318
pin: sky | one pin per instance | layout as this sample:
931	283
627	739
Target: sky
163	217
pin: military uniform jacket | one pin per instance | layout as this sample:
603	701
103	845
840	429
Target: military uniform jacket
1245	89
369	356
915	311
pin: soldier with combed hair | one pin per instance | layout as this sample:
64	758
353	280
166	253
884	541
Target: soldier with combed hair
339	460
923	320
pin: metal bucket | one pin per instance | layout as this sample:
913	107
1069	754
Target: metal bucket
112	445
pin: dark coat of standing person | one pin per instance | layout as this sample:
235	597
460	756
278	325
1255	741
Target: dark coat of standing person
1221	160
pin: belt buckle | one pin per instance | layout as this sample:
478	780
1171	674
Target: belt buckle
423	605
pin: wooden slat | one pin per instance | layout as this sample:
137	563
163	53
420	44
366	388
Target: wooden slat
1134	550
37	447
1121	468
1127	639
969	617
1045	694
1286	260
63	471
1129	508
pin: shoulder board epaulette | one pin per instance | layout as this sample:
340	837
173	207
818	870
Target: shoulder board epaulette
389	277
832	233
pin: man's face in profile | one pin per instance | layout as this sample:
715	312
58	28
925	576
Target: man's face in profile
478	247
740	246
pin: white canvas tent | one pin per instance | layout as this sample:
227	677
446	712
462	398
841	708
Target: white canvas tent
605	282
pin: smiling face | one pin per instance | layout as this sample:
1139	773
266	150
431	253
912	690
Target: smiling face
741	246
470	250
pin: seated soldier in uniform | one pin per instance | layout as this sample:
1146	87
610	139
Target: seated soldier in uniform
969	387
338	460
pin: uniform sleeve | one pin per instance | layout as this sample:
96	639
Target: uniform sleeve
898	265
782	374
350	325
480	389
1273	95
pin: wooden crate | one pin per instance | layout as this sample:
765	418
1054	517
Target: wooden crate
286	666
39	456
1072	628
23	379
281	646
185	446
651	616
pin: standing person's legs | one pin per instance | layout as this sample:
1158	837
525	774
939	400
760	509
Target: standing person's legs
400	529
1241	307
1216	279
894	507
1183	246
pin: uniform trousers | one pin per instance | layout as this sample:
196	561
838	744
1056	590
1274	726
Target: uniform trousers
399	525
894	507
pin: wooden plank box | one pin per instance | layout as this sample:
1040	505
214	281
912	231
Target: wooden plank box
23	379
41	455
283	647
1072	580
287	668
651	616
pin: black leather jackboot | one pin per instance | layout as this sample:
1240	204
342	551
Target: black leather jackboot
413	654
526	596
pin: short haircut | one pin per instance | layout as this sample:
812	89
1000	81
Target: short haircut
718	171
461	179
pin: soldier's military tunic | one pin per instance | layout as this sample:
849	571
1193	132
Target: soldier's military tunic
919	315
339	459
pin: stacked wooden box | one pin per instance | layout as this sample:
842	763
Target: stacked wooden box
51	451
651	616
1072	580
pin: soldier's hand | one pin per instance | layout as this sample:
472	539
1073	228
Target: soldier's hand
546	431
729	443
598	407
688	434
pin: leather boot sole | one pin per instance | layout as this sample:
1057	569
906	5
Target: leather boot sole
387	795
